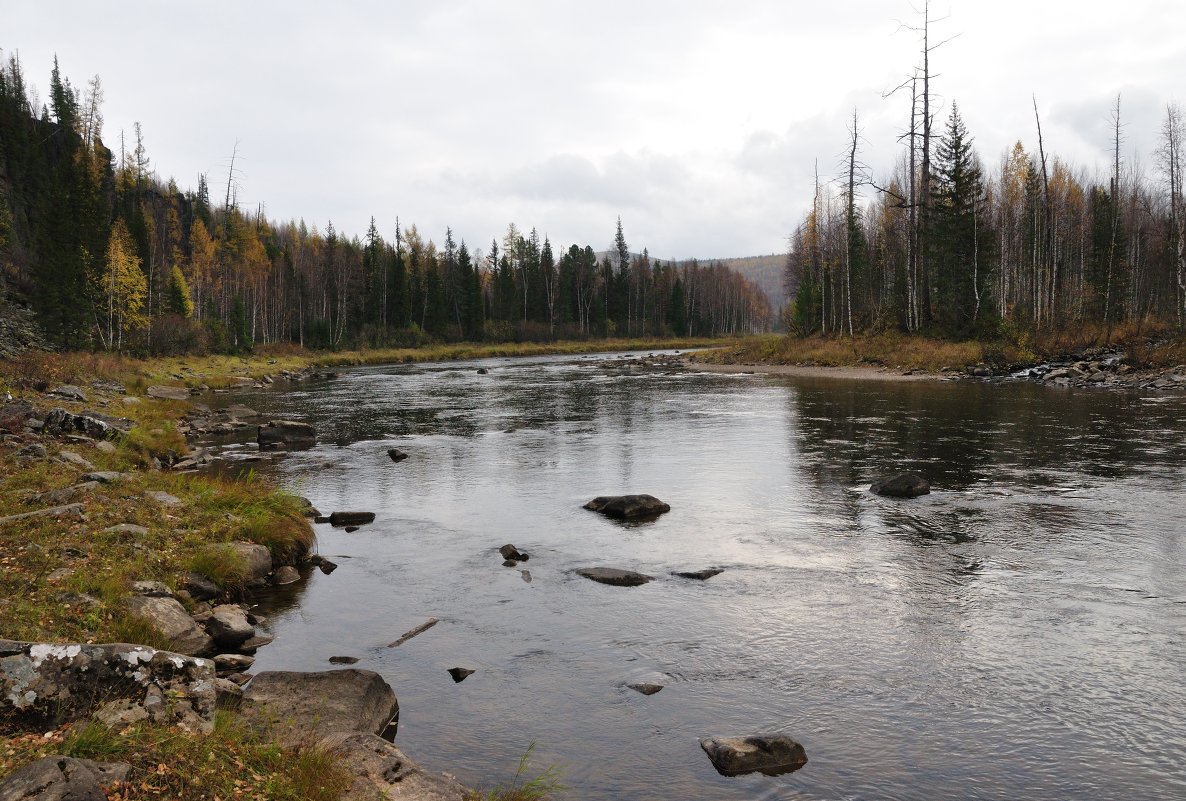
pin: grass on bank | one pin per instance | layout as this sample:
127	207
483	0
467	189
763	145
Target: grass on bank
232	763
1145	344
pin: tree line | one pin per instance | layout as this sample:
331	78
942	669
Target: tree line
949	246
112	257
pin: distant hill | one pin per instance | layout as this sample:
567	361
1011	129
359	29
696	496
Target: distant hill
766	272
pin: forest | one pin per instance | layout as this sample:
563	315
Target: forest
951	247
111	257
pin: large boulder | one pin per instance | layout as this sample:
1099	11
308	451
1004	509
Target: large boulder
614	576
14	416
62	778
901	485
628	507
304	707
43	685
772	754
169	617
286	434
381	771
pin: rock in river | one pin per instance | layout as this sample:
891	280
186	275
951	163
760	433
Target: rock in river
460	674
351	518
628	507
772	754
645	689
279	434
614	576
512	554
396	454
902	485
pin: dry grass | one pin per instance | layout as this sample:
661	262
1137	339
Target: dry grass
875	350
542	787
231	763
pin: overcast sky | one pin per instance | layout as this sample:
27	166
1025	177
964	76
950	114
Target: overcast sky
698	122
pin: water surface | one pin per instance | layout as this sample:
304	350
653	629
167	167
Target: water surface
1018	633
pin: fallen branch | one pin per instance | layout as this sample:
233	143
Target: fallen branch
423	627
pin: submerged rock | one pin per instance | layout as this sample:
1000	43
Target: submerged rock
699	575
902	485
771	754
628	507
614	576
512	554
343	660
351	518
645	689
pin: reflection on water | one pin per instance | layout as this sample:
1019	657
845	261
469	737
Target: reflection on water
1018	633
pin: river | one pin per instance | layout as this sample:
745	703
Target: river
1019	633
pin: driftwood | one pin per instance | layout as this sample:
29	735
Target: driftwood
423	627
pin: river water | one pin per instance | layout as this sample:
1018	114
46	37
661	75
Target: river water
1019	633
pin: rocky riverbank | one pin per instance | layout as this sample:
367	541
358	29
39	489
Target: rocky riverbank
112	531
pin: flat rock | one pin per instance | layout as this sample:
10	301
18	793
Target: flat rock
307	706
699	575
43	685
460	674
351	518
771	754
70	457
343	660
396	454
61	778
104	446
645	689
614	576
152	589
233	663
902	485
91	424
169	617
628	507
286	434
163	498
127	530
256	642
228	625
106	476
168	392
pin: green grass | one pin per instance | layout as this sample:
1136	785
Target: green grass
232	763
541	787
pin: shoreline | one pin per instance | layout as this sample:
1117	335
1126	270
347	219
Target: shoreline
863	373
